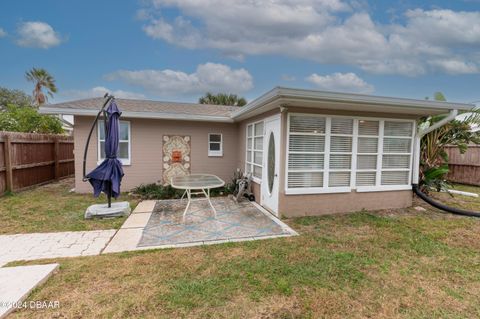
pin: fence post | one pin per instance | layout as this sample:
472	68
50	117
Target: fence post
57	158
8	163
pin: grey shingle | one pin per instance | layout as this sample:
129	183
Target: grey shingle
151	106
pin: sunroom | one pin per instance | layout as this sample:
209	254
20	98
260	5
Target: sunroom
313	152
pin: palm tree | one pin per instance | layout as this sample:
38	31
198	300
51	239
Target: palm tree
433	157
222	99
42	79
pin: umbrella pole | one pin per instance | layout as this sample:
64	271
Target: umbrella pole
108	98
109	195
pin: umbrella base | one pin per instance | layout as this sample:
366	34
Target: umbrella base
118	209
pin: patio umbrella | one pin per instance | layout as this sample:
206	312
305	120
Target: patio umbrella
107	177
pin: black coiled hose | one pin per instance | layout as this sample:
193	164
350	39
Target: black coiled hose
438	205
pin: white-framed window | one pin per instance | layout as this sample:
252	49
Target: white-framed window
254	156
124	146
339	153
215	144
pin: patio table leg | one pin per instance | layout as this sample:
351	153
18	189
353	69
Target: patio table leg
189	197
183	195
207	195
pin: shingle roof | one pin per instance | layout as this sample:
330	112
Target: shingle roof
128	105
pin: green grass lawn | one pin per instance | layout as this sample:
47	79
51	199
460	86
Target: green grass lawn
389	264
52	208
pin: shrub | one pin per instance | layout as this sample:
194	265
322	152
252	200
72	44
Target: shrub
27	120
157	191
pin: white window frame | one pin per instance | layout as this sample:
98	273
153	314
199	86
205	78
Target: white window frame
326	170
218	153
250	162
125	161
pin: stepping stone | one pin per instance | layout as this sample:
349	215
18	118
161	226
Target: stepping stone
17	282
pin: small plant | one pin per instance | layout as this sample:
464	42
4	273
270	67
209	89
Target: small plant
433	179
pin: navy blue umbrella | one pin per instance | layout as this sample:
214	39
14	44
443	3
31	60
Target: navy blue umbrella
107	177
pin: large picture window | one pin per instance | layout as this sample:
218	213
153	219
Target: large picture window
124	142
338	154
254	148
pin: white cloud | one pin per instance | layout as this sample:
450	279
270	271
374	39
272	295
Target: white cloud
36	34
455	66
314	30
209	77
3	33
341	82
99	91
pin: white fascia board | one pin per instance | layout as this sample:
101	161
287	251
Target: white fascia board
312	95
143	115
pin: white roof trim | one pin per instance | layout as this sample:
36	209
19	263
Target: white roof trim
288	93
148	115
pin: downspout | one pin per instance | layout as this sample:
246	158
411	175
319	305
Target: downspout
418	138
416	168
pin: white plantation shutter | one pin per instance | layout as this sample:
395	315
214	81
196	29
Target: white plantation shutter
340	155
254	152
398	129
310	143
366	162
306	151
305	180
339	179
394	178
396	161
331	154
368	127
368	145
342	126
366	178
299	162
396	157
367	152
307	124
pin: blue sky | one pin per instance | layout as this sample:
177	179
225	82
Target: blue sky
178	49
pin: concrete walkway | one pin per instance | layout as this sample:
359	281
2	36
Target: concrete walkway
52	245
17	282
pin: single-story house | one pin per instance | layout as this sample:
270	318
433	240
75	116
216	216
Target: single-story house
310	152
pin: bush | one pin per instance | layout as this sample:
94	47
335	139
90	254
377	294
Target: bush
157	191
26	119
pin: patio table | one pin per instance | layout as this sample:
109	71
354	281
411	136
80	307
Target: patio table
202	183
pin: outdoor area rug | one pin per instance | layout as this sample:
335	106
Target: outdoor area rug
234	221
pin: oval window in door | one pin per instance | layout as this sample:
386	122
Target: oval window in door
271	162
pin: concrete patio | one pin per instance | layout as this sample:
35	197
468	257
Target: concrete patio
160	224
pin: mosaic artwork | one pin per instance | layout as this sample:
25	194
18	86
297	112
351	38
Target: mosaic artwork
176	156
233	221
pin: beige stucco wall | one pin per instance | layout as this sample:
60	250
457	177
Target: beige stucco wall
146	149
323	204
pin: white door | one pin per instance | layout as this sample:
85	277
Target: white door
271	164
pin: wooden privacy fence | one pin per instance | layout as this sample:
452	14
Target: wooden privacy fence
464	168
31	159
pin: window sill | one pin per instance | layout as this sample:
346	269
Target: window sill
124	162
256	180
366	189
215	155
